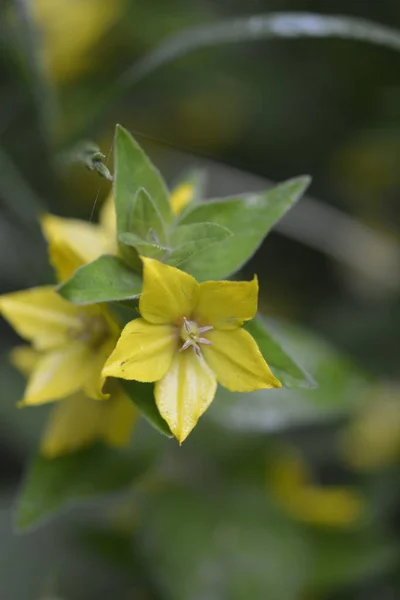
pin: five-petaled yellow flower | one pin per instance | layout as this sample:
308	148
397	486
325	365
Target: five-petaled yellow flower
73	341
188	339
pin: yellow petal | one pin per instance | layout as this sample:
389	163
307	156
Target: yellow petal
89	20
73	242
58	374
74	423
108	220
289	472
237	362
94	381
169	294
291	485
333	506
78	421
181	196
25	359
41	316
119	418
372	439
185	392
226	304
144	352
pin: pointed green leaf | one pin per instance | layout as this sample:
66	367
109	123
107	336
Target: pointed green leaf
146	220
153	250
283	366
133	170
53	484
187	240
249	218
142	395
104	280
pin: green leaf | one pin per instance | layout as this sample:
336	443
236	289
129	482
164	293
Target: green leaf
142	395
341	390
249	218
282	365
104	280
185	242
133	170
51	485
188	240
153	250
146	220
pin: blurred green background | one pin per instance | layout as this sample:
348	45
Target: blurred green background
296	498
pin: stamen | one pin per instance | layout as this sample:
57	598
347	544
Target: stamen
186	345
197	350
186	324
190	336
204	329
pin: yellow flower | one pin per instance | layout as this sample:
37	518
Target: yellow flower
181	196
78	421
188	339
73	242
333	506
70	29
74	342
372	439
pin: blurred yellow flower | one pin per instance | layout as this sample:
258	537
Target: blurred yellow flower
190	337
181	196
372	439
70	344
73	242
70	30
290	483
78	421
74	342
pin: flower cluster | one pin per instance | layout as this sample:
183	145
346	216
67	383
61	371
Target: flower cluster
189	338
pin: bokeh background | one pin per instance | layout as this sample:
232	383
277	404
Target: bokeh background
297	498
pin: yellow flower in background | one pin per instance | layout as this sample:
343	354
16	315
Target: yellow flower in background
70	345
181	196
74	342
70	30
189	338
74	242
78	421
372	439
291	485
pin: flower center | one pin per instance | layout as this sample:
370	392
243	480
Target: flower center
190	334
93	331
